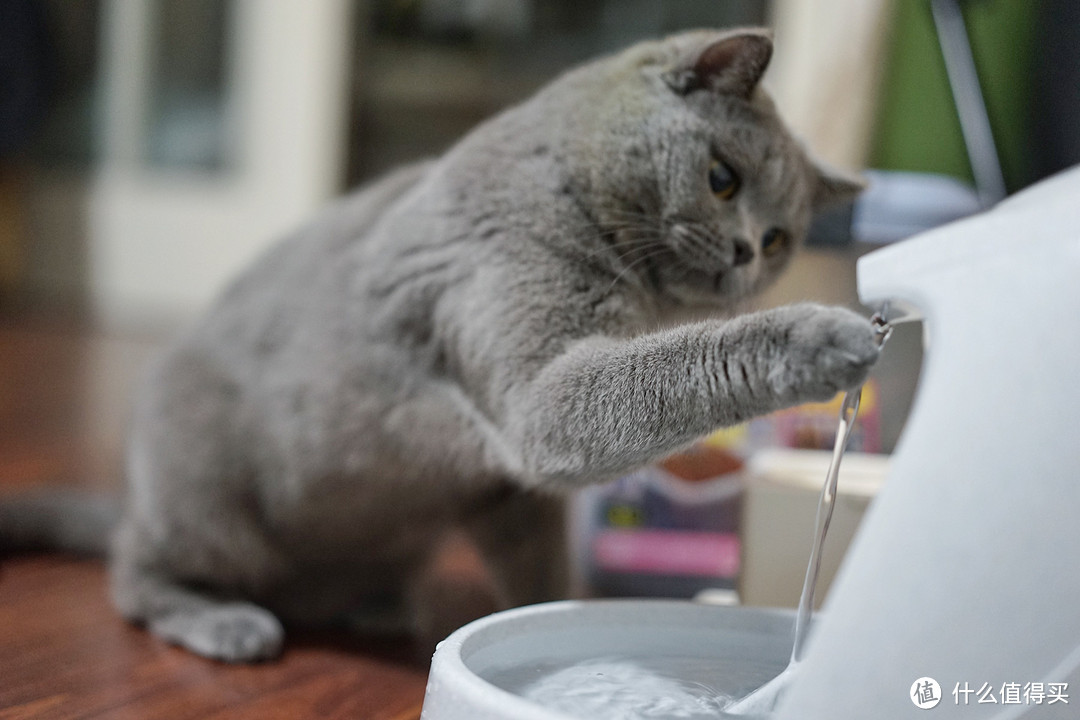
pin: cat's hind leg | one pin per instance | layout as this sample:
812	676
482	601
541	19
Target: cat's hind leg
522	537
197	618
512	551
229	630
453	588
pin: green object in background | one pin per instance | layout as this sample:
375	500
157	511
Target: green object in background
917	125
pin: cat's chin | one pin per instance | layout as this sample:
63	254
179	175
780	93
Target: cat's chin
697	288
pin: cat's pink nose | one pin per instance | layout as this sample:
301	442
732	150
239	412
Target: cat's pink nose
743	252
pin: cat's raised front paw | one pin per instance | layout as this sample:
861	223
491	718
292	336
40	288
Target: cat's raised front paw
826	350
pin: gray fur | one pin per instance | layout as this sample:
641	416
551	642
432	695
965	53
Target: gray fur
539	309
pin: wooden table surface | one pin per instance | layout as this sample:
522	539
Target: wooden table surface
64	653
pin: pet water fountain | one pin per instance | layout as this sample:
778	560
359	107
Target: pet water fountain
965	570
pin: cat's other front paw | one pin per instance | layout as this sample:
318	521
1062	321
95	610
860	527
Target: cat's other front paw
825	350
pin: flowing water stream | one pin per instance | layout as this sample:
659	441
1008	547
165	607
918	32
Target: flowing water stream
764	699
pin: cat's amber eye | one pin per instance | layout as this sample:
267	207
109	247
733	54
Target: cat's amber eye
774	241
722	180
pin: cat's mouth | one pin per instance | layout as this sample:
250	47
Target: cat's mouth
708	262
684	260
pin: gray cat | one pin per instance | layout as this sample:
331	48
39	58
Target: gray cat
452	346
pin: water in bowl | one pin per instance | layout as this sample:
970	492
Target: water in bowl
629	687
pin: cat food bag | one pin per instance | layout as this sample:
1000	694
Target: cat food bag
668	530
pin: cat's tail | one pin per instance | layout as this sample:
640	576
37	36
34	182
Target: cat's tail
63	520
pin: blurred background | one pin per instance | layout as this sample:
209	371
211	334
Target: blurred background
150	148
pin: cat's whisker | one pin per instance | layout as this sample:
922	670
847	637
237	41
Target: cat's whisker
627	262
632	248
613	217
626	213
610	238
622	273
611	227
625	245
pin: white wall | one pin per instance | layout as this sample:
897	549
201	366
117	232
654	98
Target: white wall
826	72
162	243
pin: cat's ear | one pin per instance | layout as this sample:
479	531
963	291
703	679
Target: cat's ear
835	186
731	64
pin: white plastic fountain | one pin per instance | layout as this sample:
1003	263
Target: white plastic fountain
966	568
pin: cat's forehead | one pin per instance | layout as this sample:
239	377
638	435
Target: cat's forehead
753	141
740	133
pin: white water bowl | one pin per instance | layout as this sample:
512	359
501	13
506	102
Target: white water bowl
670	658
